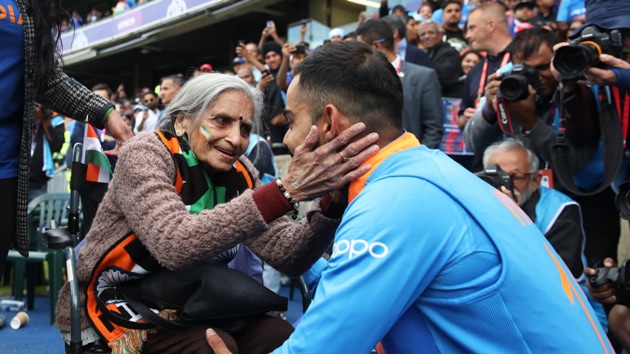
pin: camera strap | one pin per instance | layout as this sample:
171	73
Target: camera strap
503	114
622	114
612	149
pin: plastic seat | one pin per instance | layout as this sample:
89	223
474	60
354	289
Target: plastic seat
41	211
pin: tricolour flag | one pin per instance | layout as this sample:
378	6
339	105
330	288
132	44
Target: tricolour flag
98	167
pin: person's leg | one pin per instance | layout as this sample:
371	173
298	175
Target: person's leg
188	341
263	335
8	216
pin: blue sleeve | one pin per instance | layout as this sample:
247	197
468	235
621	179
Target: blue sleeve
383	259
623	78
563	11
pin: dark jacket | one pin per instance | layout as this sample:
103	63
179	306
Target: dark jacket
417	56
447	64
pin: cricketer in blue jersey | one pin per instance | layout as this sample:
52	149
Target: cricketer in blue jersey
428	258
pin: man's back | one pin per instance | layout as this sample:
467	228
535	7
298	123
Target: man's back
442	262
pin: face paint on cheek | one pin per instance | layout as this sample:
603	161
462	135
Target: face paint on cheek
204	132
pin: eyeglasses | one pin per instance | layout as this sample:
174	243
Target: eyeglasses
520	177
382	40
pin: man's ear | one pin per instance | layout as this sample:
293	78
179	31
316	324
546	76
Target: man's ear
329	126
536	178
396	33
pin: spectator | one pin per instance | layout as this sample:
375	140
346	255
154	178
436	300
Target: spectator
568	12
237	62
487	31
148	119
412	30
408	53
451	16
336	35
94	15
545	13
269	31
523	12
292	56
121	6
48	137
446	60
422	112
76	19
425	10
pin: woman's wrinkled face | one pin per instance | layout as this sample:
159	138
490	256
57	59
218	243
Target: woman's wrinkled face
223	133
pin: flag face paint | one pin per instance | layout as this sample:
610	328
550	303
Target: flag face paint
205	132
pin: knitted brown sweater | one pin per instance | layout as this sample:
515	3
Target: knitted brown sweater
141	197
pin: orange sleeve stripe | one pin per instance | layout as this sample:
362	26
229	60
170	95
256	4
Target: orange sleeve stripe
567	282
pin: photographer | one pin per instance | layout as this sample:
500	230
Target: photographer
513	169
595	91
619	315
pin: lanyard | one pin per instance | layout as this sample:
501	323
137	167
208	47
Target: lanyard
484	71
623	115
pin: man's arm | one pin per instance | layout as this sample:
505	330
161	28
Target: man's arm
281	78
479	133
431	116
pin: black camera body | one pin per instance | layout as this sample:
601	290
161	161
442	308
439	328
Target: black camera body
620	279
583	52
494	176
514	86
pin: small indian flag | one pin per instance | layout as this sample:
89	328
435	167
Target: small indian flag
98	167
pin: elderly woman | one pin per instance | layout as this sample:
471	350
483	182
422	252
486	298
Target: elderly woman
189	195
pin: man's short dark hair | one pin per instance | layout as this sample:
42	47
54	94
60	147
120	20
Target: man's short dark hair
528	42
102	86
448	2
359	81
397	22
377	30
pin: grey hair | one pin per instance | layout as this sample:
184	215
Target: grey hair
438	25
200	93
508	145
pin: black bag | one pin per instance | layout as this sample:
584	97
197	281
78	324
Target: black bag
206	293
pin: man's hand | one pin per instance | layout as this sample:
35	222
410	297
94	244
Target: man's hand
600	76
465	117
604	293
265	80
492	87
287	50
523	111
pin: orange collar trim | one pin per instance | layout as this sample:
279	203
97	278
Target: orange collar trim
404	142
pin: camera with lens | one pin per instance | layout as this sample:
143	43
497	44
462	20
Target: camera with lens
494	176
619	278
582	53
514	86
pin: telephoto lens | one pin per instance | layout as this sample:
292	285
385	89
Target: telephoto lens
572	60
